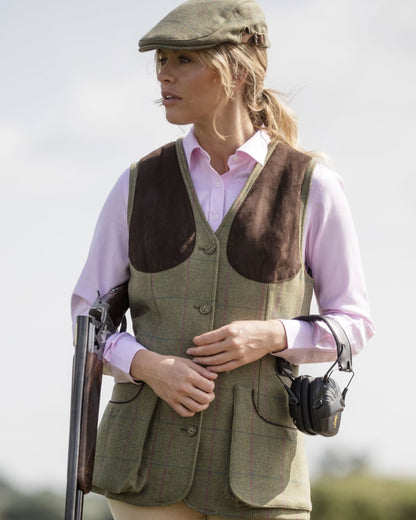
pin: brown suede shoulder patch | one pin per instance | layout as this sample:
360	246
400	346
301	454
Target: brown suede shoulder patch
162	226
264	238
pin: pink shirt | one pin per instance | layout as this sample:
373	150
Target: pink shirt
330	251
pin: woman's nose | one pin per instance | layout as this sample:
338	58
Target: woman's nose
165	75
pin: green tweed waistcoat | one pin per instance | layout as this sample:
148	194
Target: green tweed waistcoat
242	457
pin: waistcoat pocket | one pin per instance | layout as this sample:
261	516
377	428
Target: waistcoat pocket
121	439
267	462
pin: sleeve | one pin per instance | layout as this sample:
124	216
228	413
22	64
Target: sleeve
332	256
107	265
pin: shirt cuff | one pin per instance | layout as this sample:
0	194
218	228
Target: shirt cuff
308	342
119	352
297	335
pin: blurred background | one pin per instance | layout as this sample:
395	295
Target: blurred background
77	106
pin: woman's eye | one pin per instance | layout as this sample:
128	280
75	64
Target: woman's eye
162	60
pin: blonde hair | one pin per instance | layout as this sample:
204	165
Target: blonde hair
266	108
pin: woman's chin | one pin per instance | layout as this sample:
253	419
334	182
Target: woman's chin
175	120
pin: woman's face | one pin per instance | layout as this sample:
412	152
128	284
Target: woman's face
191	92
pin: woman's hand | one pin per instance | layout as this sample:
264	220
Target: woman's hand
185	386
238	344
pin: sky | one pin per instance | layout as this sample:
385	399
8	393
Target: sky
77	106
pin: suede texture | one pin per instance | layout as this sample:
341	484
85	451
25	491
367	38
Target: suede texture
264	236
162	227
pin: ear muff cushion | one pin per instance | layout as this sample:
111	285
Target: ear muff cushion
304	403
300	411
295	409
315	389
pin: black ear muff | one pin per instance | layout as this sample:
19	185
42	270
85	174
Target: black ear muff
295	407
326	408
316	404
304	403
299	407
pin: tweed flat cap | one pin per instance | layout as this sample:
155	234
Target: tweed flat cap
200	24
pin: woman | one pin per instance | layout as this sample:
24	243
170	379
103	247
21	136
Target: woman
223	237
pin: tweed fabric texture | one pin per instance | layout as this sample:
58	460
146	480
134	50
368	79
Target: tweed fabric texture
200	24
243	456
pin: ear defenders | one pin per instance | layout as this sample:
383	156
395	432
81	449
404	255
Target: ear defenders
316	403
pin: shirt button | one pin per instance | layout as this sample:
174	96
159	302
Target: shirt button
191	431
218	184
215	217
205	308
210	250
234	159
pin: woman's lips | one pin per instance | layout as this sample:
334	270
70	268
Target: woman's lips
169	98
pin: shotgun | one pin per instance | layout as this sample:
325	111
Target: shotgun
105	316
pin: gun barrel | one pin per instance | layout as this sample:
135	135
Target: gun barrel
74	496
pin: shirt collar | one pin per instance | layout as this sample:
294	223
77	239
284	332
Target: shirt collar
256	147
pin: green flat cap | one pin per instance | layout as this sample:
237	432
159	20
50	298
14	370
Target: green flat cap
200	24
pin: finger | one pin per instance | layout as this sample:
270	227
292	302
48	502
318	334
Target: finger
182	410
219	359
226	367
206	350
213	336
200	396
203	385
194	406
207	377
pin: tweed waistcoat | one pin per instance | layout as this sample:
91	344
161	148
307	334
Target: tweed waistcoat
243	456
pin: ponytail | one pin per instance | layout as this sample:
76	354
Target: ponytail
276	117
266	108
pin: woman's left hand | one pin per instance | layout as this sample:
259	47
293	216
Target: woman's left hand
237	344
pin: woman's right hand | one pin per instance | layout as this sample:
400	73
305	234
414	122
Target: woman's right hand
186	387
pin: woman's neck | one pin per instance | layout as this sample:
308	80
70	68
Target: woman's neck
236	127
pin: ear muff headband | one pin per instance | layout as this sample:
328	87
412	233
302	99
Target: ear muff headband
344	357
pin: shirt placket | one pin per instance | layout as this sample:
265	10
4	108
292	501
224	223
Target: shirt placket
217	198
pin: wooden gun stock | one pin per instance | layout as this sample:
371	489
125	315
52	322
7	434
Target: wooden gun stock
85	398
89	420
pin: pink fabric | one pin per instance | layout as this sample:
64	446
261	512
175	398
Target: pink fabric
216	193
330	252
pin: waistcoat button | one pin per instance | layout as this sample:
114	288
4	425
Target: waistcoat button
210	250
191	431
205	308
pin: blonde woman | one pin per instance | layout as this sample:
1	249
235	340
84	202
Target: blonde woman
223	236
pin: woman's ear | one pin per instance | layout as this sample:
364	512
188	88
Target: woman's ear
239	78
